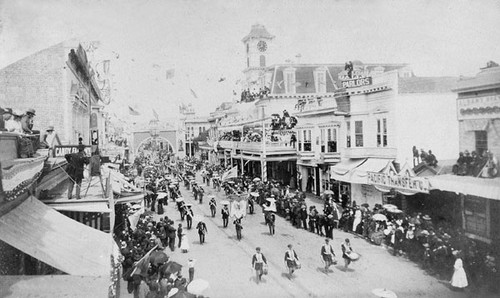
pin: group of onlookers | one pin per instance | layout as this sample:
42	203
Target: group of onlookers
472	164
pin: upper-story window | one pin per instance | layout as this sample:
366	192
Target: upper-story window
358	133
348	134
262	61
382	132
289	75
329	139
304	140
320	80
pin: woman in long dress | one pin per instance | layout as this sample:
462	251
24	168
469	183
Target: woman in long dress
184	243
459	278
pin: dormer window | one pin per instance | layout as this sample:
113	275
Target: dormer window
320	80
289	76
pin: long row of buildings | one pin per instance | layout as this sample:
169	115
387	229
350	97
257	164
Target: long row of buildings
353	128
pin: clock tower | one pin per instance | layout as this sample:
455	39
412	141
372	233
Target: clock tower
258	45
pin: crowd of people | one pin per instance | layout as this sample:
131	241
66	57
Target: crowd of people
426	157
484	165
440	250
247	96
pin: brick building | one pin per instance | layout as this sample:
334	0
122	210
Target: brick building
59	84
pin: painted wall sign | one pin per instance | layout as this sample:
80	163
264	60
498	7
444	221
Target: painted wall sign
357	82
478	107
399	182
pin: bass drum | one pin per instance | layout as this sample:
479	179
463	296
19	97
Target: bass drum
353	256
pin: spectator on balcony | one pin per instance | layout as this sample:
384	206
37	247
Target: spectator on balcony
431	159
293	140
50	139
423	155
27	121
416	160
13	122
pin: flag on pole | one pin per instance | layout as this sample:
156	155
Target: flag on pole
231	173
155	114
133	112
142	266
170	73
194	93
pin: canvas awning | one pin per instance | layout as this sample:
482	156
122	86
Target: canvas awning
57	240
99	207
359	174
341	171
467	185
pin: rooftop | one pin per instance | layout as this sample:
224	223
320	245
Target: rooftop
427	84
487	78
258	31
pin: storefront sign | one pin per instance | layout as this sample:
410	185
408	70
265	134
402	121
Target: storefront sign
357	82
60	151
478	107
356	74
399	182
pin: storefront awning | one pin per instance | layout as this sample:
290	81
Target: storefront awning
57	240
481	187
340	171
359	174
99	207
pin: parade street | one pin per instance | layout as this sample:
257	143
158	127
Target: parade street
226	262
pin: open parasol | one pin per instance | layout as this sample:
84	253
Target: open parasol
161	195
269	209
158	257
181	199
384	293
256	179
394	210
171	267
390	206
328	192
224	202
271	199
379	216
254	194
198	286
182	294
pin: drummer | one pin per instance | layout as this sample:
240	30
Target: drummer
346	252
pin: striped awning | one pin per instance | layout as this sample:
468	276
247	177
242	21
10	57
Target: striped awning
51	237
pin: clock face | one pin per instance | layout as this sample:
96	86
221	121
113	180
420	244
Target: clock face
262	46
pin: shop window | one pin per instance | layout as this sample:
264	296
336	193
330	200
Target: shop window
475	219
481	141
358	133
348	134
382	132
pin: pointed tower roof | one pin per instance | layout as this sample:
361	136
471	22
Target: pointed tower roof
258	31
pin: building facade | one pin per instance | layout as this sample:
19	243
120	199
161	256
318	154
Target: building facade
59	83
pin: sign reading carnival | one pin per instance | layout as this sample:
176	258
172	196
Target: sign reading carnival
405	181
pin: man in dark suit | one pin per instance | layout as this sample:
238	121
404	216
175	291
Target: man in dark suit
76	164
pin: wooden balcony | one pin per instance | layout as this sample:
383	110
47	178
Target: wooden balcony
271	147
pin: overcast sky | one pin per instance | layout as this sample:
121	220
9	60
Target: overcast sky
202	39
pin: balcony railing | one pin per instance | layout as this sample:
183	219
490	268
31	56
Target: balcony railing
257	146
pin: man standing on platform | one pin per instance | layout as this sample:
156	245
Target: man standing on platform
76	164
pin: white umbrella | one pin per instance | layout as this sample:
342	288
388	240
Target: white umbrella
161	195
380	217
254	194
271	199
390	206
179	199
198	286
384	293
256	179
